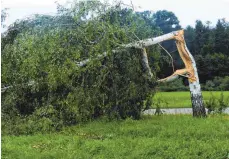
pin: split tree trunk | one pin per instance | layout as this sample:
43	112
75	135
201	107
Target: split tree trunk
198	108
190	71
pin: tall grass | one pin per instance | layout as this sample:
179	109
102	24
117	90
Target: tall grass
165	136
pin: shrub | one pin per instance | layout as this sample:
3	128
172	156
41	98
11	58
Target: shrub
225	84
217	84
217	105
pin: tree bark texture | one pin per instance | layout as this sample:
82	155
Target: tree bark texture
195	89
197	105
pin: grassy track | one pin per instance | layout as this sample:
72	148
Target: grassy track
182	99
162	137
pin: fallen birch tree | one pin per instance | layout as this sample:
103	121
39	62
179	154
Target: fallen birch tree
190	70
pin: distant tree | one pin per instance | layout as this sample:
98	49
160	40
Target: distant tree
190	37
149	18
221	37
227	40
199	37
4	14
166	21
212	65
208	36
203	42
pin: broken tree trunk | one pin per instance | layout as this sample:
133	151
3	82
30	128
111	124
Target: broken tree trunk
196	94
192	75
194	85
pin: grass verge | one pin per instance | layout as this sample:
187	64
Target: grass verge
166	136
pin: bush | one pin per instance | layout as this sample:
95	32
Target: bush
217	84
225	84
217	105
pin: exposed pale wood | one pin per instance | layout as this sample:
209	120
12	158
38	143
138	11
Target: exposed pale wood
168	79
194	85
174	76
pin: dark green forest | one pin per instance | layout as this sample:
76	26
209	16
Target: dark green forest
47	90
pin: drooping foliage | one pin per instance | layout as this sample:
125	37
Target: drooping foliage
49	90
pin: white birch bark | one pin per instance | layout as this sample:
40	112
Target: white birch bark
145	64
198	108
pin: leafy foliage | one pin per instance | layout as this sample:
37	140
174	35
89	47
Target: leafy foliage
217	105
218	83
39	61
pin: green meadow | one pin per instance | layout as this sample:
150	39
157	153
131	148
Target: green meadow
182	99
166	136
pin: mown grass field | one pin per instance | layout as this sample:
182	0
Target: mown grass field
182	99
166	136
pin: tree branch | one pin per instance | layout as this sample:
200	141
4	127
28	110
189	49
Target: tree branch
139	44
145	64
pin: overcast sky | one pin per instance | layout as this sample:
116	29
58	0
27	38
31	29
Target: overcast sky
187	11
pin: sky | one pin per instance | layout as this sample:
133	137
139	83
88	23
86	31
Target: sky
187	11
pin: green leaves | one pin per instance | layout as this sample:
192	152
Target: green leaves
114	86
